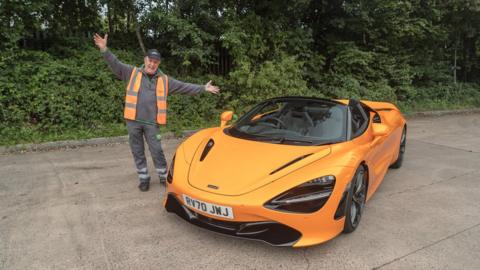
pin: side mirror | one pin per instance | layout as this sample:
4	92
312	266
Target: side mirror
379	129
225	117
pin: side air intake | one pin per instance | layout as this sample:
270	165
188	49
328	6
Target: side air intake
207	149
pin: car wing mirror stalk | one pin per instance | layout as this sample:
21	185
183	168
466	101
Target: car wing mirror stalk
225	117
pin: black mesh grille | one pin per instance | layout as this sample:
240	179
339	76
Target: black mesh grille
271	232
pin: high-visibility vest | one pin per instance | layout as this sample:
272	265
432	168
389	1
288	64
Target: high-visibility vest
132	94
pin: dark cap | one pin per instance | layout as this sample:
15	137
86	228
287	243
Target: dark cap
153	54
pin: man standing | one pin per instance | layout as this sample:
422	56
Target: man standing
146	106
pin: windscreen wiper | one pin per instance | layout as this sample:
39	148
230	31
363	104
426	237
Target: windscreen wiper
279	140
291	140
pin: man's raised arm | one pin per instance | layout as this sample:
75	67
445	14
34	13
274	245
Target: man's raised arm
121	70
179	87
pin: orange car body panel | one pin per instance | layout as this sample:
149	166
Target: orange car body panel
241	169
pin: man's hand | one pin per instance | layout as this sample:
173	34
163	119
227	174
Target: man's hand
211	88
100	42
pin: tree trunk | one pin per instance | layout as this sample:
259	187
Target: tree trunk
455	66
465	58
109	16
139	36
128	21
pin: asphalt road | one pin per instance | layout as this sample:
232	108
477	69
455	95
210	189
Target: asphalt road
81	209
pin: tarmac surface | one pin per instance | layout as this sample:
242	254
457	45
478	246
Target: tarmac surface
81	209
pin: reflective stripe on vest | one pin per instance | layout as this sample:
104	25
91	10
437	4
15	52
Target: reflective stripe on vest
132	93
162	93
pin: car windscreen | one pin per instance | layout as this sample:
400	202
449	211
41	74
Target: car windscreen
293	121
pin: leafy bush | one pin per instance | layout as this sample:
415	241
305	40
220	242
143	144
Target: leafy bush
69	94
250	83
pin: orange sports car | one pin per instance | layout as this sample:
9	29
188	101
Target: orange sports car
292	171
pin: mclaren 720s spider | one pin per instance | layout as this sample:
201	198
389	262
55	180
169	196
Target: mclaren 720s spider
292	171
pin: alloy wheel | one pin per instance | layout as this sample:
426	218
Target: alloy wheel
358	198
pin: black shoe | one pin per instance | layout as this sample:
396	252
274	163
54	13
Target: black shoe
144	186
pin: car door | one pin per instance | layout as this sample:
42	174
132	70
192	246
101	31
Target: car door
361	120
380	156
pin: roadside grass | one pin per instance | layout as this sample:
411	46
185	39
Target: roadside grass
30	134
435	105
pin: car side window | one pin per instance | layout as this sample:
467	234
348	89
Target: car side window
367	111
359	120
376	118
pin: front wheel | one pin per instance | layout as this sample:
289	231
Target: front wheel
356	197
401	151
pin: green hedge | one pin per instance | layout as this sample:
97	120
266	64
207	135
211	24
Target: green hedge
71	94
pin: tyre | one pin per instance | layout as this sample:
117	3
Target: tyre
401	150
356	197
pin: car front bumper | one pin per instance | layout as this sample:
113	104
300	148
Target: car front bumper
251	219
271	232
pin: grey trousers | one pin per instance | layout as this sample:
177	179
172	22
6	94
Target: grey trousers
136	132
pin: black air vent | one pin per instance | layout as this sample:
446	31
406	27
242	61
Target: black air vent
209	146
290	163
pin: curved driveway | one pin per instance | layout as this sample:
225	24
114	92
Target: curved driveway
80	209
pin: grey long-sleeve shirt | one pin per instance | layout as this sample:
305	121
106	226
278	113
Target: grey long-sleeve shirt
147	97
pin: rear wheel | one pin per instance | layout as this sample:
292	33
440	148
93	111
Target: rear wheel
401	151
356	197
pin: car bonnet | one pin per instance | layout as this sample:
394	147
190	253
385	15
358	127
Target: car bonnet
233	166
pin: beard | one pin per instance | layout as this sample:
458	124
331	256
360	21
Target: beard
150	70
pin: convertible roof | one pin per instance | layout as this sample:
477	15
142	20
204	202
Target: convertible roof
340	102
373	105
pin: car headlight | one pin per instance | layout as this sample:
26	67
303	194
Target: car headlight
305	198
170	171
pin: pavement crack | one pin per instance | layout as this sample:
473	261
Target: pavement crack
446	146
4	260
427	246
306	258
99	219
432	183
105	256
57	175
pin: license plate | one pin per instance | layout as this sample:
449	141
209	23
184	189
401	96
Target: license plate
208	208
